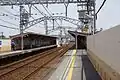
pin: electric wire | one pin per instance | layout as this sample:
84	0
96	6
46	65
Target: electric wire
9	27
39	11
9	22
46	10
32	17
7	15
10	13
101	7
49	13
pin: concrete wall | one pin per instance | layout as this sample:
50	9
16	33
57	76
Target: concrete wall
5	45
106	45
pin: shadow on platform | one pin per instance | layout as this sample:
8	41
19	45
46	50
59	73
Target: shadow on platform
90	72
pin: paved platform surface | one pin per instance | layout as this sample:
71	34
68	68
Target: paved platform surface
75	66
18	52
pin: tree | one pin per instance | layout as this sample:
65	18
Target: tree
2	36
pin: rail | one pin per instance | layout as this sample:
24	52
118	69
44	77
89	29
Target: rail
23	70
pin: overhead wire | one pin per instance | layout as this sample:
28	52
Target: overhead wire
32	16
9	27
10	15
46	10
49	13
100	7
39	11
9	22
13	15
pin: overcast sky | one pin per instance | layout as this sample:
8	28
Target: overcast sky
109	16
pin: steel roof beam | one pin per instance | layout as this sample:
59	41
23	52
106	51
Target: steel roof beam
27	2
36	21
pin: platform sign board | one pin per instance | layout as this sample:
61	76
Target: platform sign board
5	44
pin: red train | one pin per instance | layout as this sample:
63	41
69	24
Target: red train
32	40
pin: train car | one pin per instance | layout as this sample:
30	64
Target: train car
32	40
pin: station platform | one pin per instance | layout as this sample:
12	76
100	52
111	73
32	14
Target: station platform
75	66
18	52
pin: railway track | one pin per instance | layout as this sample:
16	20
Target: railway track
25	69
7	68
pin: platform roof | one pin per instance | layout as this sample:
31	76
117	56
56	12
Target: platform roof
73	33
30	33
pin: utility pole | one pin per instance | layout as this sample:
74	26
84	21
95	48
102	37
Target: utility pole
46	26
21	26
21	19
61	33
94	22
76	41
30	6
53	24
24	18
66	8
